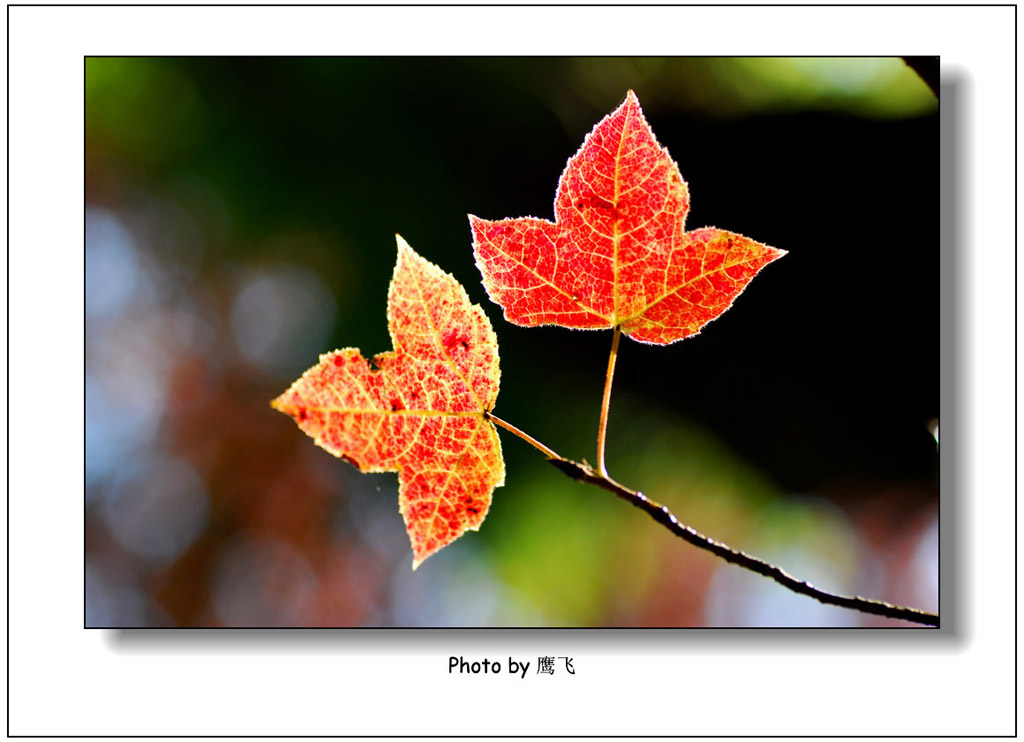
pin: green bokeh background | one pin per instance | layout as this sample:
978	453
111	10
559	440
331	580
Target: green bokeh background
240	220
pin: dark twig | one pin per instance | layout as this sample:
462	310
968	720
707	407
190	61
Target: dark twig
660	513
586	473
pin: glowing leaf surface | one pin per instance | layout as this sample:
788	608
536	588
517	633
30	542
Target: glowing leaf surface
618	252
418	410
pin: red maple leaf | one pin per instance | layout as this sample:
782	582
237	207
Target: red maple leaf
617	252
421	411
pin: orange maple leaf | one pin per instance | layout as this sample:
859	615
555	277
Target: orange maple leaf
421	412
617	252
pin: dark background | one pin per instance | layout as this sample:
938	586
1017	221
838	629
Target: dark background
240	220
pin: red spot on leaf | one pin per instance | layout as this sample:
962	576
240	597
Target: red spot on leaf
455	337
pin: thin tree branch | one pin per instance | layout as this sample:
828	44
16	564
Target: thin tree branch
583	472
602	426
525	436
